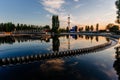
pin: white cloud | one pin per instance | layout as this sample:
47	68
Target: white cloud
52	6
78	6
56	4
51	10
57	7
76	0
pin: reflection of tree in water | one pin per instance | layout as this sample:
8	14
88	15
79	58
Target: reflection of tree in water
97	39
56	43
67	36
13	39
7	39
107	39
91	37
80	36
86	37
116	64
74	36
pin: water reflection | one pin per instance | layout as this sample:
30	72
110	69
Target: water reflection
97	39
55	43
13	46
116	64
8	39
54	64
87	67
13	39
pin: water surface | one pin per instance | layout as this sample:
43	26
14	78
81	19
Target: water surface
102	65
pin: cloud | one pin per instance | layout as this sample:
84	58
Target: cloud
51	10
57	7
52	6
76	0
78	6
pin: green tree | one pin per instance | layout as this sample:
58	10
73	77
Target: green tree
55	23
47	27
9	27
117	3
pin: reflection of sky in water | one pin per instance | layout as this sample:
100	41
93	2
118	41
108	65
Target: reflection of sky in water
80	42
38	46
94	66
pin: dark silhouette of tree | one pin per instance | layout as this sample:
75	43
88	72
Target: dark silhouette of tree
46	28
80	29
62	30
92	28
67	29
9	27
117	3
112	27
109	26
87	28
55	23
76	28
97	27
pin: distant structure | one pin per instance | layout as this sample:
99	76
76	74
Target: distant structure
68	22
74	29
55	23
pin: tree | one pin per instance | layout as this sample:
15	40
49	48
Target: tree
67	29
9	27
112	28
87	28
117	3
92	28
80	29
46	28
97	27
76	28
55	23
109	26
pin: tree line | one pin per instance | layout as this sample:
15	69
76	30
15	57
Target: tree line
9	27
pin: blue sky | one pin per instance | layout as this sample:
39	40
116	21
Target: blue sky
39	12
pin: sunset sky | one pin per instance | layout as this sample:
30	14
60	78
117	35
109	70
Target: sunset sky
39	12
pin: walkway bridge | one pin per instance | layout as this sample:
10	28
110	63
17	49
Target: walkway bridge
53	55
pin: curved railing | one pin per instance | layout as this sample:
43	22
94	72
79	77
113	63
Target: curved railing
39	57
